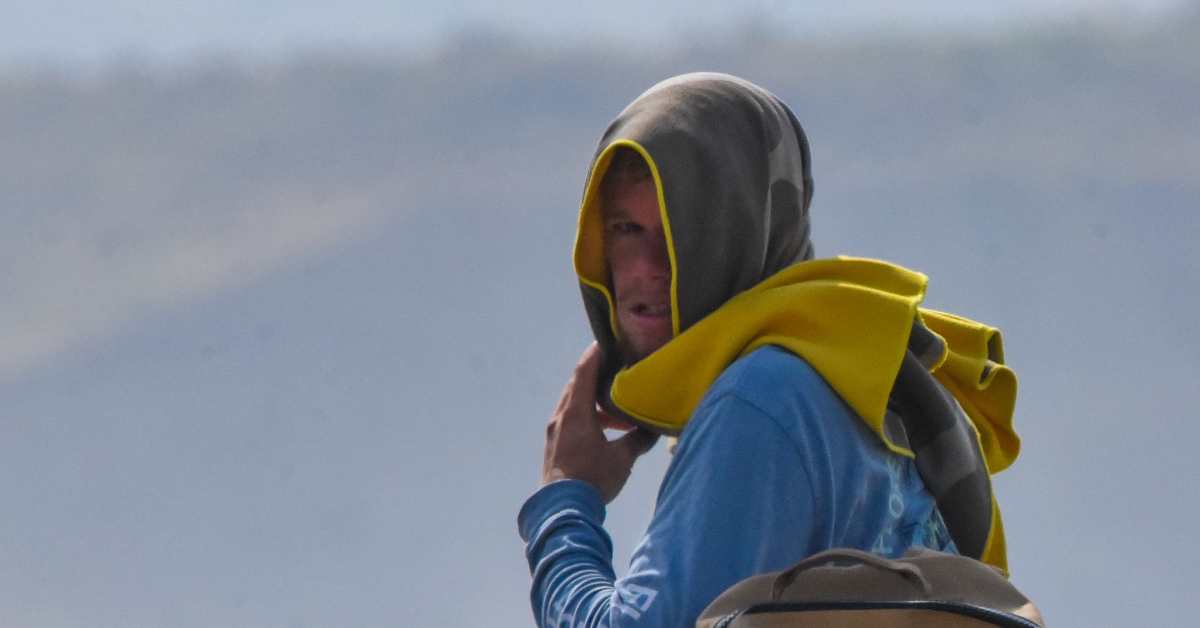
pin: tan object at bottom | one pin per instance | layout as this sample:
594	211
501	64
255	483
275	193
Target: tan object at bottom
852	588
896	618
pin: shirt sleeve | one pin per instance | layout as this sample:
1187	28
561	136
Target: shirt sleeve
569	554
736	500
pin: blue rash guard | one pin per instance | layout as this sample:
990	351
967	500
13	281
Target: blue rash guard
772	467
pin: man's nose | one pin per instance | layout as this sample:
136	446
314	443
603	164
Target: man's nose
655	260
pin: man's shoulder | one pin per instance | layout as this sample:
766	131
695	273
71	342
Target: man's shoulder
767	361
776	381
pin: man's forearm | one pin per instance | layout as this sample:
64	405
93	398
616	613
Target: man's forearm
570	555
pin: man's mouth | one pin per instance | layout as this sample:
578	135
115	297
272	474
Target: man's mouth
651	310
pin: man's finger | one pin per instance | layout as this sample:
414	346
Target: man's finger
636	443
582	389
567	398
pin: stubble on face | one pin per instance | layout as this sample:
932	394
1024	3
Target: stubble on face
639	268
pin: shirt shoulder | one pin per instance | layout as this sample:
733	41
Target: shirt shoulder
784	386
787	404
865	495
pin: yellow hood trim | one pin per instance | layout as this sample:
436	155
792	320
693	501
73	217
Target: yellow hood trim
590	265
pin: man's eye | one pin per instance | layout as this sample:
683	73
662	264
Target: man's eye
624	227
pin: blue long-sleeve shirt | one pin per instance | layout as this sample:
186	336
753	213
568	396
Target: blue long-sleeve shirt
772	467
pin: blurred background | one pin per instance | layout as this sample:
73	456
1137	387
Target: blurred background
286	300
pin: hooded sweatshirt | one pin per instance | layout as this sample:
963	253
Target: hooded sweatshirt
786	377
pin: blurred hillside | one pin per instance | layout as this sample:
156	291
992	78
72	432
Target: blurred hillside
224	128
278	340
137	163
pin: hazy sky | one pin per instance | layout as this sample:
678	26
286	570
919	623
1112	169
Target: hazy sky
94	30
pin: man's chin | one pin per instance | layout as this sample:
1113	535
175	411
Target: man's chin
634	352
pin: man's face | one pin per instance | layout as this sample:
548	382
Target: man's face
639	267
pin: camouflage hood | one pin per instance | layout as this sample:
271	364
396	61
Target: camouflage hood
733	173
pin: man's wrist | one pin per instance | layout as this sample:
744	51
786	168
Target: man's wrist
556	497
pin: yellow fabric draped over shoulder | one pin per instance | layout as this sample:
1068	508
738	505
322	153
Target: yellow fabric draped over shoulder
850	318
973	371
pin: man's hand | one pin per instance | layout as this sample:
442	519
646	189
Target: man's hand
576	447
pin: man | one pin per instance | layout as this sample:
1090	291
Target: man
812	398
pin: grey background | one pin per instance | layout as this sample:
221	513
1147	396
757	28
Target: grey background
282	316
